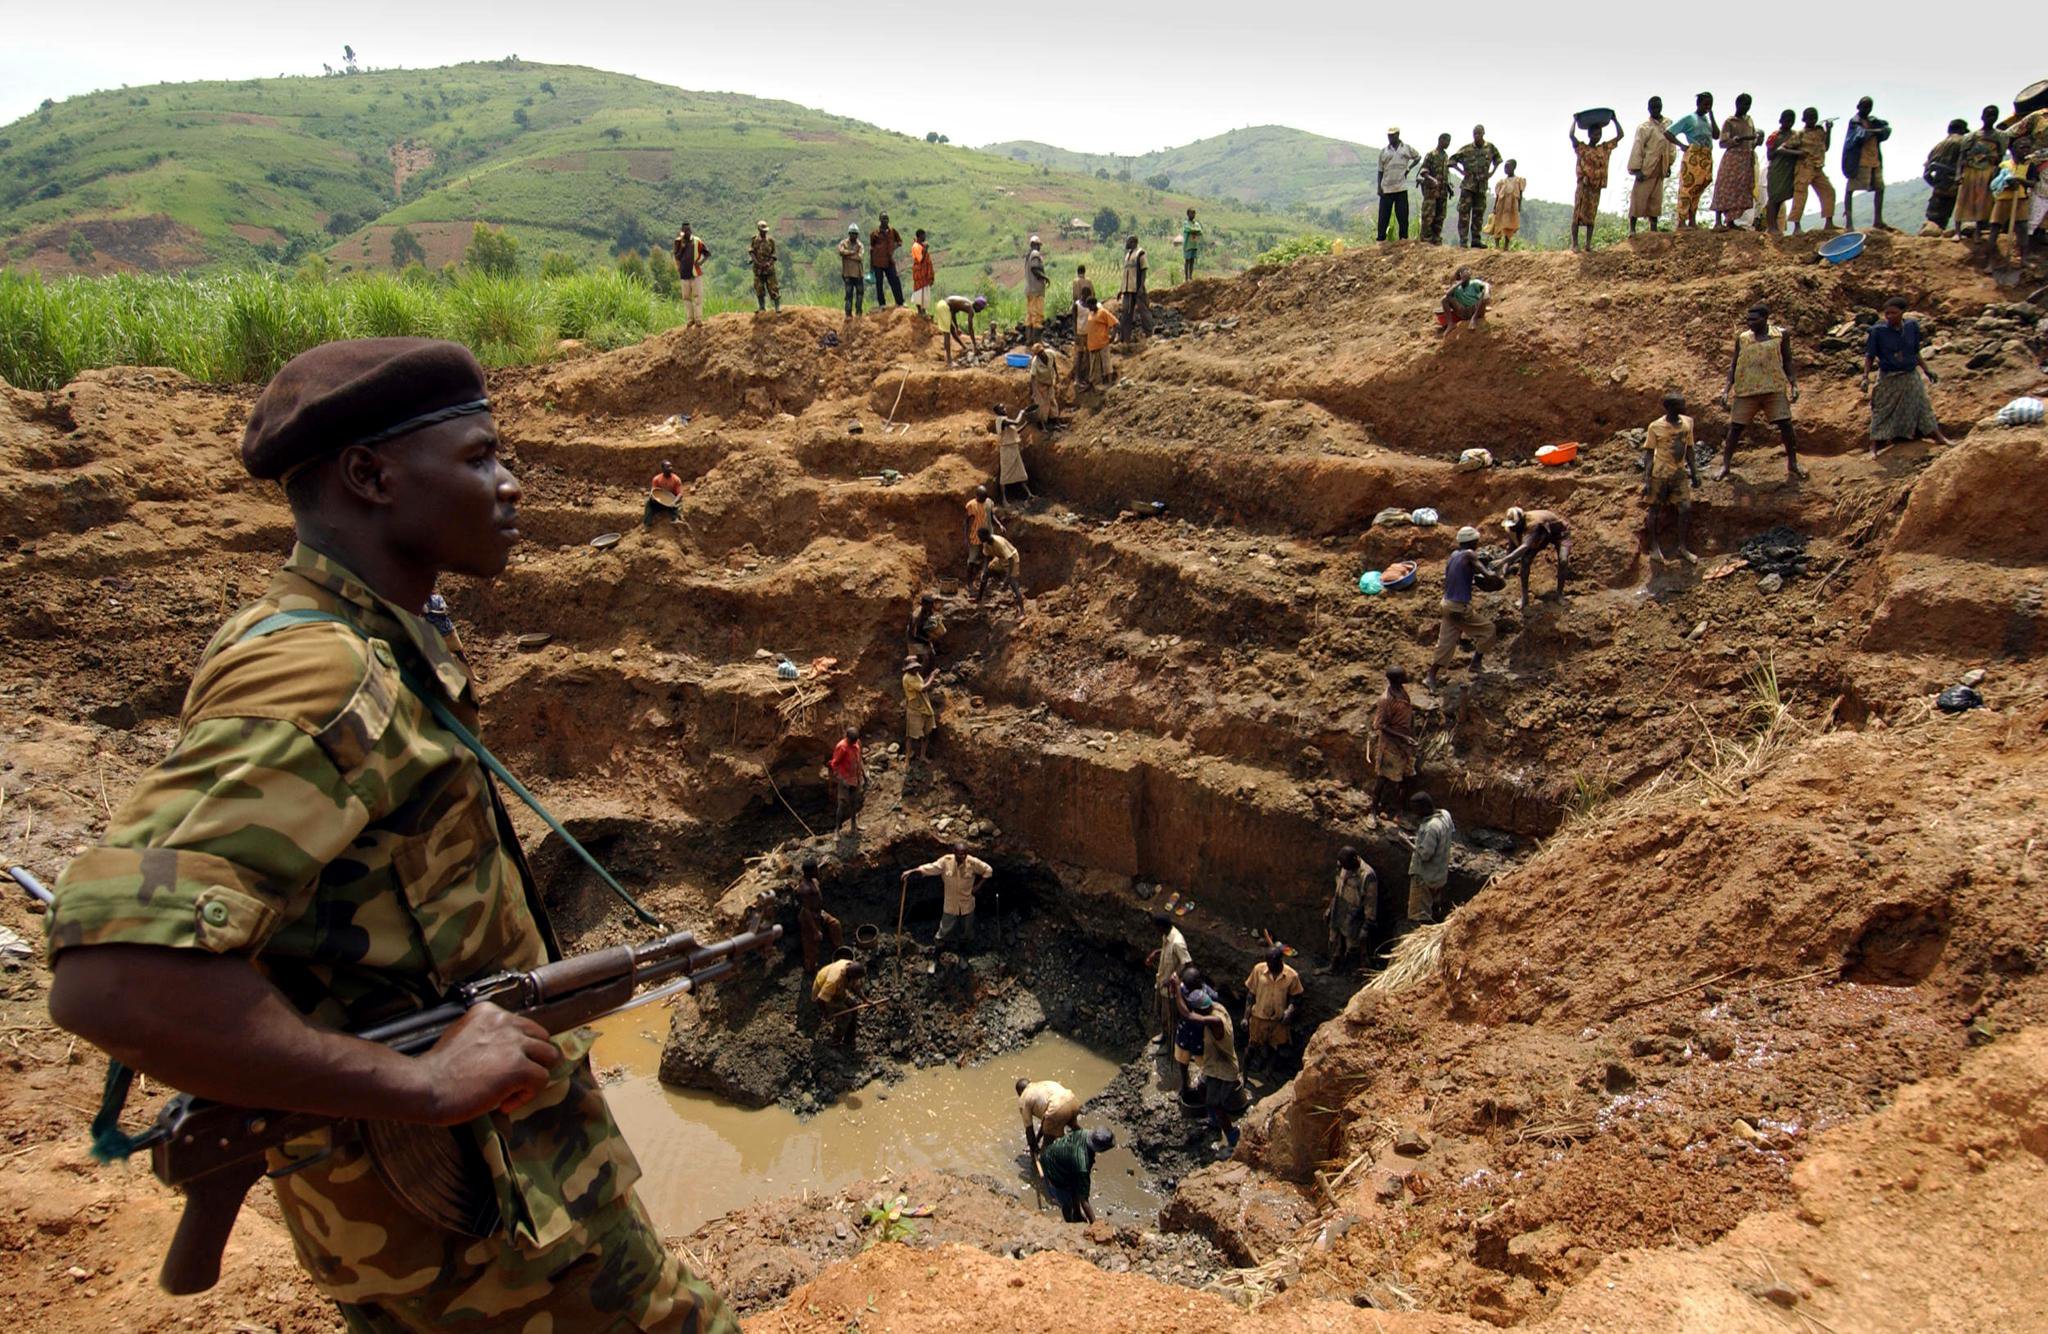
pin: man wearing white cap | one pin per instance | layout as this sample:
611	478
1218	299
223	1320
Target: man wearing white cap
852	271
1034	291
1397	175
1460	619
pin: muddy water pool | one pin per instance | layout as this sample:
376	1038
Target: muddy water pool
702	1157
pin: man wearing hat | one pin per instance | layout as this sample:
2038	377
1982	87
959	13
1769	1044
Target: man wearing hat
767	285
920	718
883	242
690	255
1531	531
1034	290
1397	174
1460	620
319	852
850	271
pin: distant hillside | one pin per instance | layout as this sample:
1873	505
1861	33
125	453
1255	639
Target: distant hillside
569	159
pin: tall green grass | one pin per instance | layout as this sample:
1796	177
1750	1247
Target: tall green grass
240	327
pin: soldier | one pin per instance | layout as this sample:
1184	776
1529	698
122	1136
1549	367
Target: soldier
1477	161
767	287
1435	179
319	852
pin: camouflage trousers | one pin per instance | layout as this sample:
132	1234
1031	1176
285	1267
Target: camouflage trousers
1472	217
1433	207
624	1280
768	287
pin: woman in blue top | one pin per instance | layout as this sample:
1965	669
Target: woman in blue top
1899	406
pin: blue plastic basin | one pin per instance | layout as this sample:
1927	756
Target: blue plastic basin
1017	359
1843	248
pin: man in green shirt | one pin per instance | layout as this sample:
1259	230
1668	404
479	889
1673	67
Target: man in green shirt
1068	1165
1476	161
1190	246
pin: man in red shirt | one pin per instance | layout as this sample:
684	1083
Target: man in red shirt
849	780
664	496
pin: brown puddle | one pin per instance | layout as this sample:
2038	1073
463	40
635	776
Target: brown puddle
702	1157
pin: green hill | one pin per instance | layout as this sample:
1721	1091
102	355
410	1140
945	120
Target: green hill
576	160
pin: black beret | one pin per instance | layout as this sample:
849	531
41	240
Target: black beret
359	392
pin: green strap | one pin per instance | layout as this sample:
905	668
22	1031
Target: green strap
109	1144
432	698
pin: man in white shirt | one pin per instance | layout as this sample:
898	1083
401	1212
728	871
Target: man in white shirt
1167	961
1397	174
961	875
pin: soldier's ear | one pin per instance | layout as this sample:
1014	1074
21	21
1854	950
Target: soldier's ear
365	475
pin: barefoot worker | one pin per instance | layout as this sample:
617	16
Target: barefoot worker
318	853
664	496
1393	723
1068	1164
837	990
920	718
1465	303
1001	561
1010	470
1670	475
1458	618
1166	961
956	306
849	775
1222	1080
1353	901
1761	383
1274	990
1429	859
1533	531
1049	1109
814	926
960	877
1899	407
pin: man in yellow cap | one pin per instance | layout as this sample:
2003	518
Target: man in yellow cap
761	251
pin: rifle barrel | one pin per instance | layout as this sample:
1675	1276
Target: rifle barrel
33	887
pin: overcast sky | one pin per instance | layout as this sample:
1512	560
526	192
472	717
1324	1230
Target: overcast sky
982	73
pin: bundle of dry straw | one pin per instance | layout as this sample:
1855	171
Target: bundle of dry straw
1416	957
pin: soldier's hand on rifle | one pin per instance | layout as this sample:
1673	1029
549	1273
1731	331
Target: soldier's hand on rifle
489	1060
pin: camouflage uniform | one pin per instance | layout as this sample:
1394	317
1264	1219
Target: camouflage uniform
1477	161
767	284
1435	179
314	818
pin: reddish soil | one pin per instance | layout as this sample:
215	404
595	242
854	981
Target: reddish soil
1808	937
153	244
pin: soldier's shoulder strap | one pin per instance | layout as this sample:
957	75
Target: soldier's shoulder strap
438	706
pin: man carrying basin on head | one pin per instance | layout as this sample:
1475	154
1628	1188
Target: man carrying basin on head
321	850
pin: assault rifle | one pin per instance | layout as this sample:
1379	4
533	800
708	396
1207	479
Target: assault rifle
215	1152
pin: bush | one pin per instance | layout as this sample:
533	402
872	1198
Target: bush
382	307
589	302
266	322
1296	247
558	264
493	250
406	249
503	320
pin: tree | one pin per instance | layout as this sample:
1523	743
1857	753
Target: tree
342	223
931	137
493	250
521	119
80	249
348	57
945	138
613	133
44	108
1107	223
1160	181
634	266
557	264
547	86
406	249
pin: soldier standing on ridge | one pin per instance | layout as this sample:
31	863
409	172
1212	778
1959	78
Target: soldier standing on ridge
882	244
319	852
690	254
1476	161
1435	180
767	285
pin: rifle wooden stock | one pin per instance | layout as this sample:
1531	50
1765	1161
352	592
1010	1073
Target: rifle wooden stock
192	1264
215	1152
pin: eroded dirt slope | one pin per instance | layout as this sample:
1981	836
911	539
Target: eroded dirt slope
1184	701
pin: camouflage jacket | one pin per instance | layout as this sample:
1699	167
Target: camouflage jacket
1476	162
315	818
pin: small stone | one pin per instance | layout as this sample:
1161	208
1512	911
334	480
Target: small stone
1411	1144
78	1275
1770	583
1746	1131
618	655
1780	1295
1973	677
